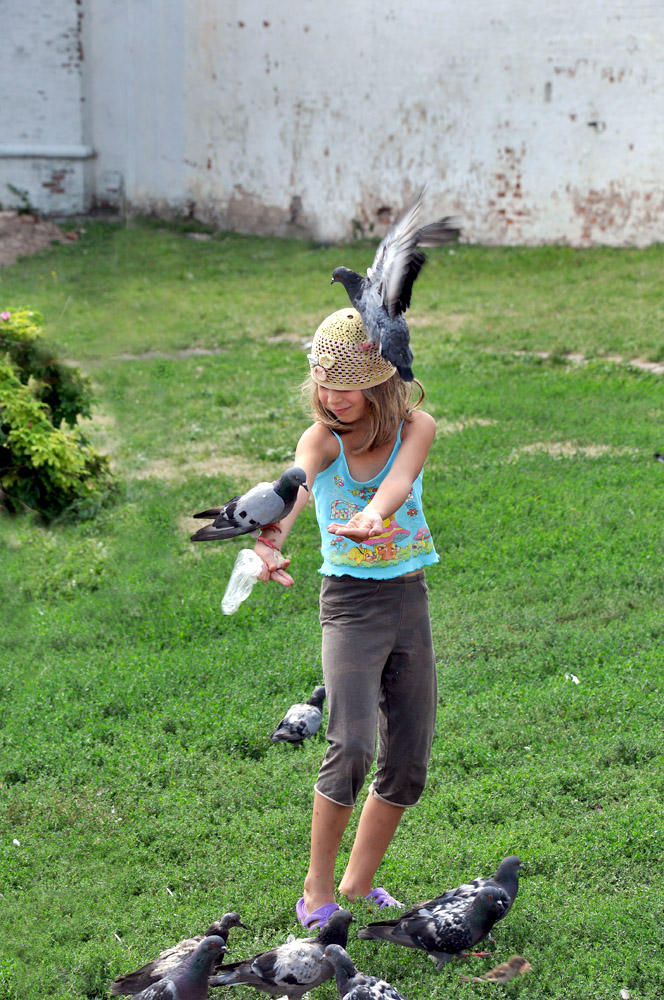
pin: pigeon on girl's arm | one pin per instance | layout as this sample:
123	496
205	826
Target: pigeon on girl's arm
292	968
301	720
384	295
443	931
189	980
354	985
133	982
259	508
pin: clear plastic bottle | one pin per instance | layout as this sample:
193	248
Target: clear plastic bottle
245	573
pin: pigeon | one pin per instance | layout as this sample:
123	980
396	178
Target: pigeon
506	877
443	931
259	508
384	295
133	982
189	979
292	968
354	985
301	720
503	973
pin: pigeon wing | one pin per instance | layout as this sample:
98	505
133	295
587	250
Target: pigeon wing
371	988
165	989
213	512
395	256
296	963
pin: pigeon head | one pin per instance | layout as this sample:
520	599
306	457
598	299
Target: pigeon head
489	905
208	952
289	483
335	930
317	697
222	927
507	874
351	280
340	961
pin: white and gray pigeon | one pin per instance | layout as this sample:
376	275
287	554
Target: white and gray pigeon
443	931
354	985
384	295
259	508
302	720
292	968
133	982
506	877
189	980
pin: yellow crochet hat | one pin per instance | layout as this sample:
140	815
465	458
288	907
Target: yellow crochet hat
336	360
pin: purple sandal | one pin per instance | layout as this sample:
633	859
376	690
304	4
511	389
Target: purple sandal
382	898
319	916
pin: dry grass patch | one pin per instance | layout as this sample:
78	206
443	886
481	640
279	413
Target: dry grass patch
457	426
181	465
566	449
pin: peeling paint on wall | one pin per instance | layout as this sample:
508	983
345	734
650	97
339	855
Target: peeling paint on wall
531	121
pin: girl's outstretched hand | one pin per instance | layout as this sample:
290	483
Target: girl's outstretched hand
366	524
274	565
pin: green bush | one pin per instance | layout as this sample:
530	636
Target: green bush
43	467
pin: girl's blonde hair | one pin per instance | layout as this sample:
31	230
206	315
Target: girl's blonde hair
389	404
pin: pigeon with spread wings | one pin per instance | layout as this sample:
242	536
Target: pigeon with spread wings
384	295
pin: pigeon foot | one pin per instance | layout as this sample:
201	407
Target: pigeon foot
366	345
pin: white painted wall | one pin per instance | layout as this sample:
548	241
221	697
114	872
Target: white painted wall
532	120
44	146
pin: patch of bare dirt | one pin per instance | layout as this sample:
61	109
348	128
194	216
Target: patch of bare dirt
21	235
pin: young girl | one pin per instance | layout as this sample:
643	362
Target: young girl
363	459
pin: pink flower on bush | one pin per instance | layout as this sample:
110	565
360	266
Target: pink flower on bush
5	316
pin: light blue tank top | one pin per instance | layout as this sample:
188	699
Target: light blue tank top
405	543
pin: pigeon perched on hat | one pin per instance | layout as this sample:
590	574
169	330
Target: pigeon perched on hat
383	296
133	982
259	508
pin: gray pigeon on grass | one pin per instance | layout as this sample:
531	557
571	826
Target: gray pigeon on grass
189	980
443	931
292	968
133	982
259	508
302	720
354	985
384	295
506	877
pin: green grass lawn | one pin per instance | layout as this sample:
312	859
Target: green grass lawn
140	796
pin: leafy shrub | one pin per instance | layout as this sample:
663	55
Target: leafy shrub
43	467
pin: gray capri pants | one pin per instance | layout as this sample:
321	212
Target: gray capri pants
380	673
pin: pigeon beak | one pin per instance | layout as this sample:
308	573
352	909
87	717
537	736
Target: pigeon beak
304	487
240	924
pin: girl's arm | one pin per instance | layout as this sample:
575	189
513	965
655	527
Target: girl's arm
416	438
315	450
